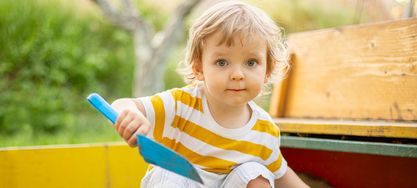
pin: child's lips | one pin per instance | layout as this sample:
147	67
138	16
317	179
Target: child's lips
236	90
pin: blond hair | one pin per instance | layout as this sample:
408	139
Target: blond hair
230	18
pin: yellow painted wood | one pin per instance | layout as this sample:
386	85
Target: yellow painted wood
102	165
355	72
352	128
127	166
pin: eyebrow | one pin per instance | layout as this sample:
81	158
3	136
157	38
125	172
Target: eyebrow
219	54
256	54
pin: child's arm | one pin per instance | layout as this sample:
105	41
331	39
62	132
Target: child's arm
290	179
131	120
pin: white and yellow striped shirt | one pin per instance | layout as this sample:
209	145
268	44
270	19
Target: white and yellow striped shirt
181	121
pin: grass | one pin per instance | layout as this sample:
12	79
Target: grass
90	128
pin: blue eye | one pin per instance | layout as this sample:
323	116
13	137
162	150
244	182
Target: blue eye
221	62
251	63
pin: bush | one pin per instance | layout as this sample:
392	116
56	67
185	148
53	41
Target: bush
51	59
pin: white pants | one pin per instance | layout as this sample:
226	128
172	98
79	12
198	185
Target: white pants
238	177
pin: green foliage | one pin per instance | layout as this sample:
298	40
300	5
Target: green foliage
51	59
152	14
89	128
171	78
304	15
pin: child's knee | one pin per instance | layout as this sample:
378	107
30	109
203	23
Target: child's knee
260	182
250	174
161	178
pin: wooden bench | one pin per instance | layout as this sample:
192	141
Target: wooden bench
348	107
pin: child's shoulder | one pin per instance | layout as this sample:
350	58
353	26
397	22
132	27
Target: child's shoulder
192	90
264	120
260	112
190	95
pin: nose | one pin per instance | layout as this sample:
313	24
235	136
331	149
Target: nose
237	74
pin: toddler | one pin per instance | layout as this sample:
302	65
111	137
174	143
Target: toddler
232	52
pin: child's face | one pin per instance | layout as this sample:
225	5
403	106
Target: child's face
233	75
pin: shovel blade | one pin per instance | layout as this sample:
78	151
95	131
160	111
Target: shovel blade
165	158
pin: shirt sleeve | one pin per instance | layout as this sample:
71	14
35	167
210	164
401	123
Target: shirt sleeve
278	166
159	110
280	163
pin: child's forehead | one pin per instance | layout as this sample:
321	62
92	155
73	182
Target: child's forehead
235	39
254	45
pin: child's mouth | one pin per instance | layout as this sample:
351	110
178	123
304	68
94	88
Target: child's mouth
236	90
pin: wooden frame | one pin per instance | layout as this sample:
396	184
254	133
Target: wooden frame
355	80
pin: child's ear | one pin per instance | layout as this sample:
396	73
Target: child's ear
198	70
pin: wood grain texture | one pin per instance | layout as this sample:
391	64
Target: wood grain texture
278	98
356	72
348	128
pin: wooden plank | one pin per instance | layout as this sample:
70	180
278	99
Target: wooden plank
355	72
277	106
99	165
126	165
351	128
279	95
374	148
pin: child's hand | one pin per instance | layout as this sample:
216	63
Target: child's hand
129	124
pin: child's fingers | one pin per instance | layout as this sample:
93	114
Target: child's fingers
131	128
143	130
119	119
132	140
129	117
129	124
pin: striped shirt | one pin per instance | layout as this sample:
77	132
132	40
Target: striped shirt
181	120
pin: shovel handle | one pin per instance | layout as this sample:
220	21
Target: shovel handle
102	106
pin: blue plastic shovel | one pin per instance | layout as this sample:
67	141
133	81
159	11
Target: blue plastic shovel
151	151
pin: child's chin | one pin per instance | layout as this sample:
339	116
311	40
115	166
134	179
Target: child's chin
237	102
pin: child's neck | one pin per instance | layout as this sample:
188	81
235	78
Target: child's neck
231	117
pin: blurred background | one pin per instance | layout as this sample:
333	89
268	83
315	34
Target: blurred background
53	53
